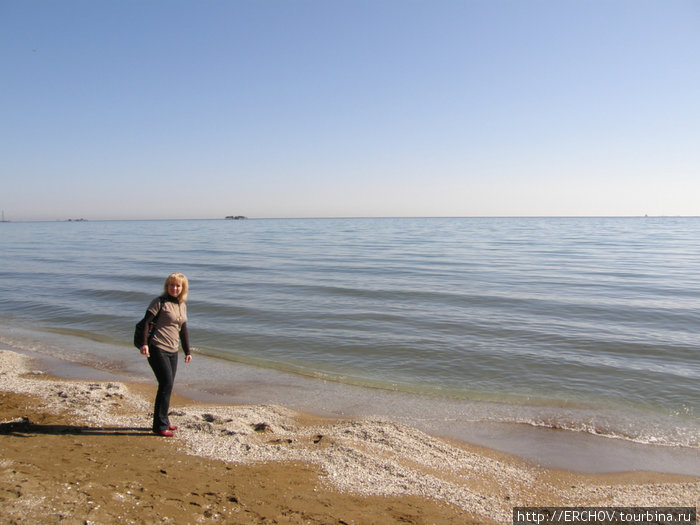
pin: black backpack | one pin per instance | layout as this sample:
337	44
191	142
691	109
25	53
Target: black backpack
138	329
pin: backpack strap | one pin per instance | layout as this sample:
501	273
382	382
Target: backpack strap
162	302
160	308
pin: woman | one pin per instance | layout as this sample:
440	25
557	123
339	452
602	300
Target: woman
168	313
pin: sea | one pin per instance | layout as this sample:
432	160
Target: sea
558	339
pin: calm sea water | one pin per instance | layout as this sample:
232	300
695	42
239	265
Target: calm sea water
588	324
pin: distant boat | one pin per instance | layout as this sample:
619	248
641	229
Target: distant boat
3	217
236	217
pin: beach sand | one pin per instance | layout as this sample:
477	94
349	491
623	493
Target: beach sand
82	452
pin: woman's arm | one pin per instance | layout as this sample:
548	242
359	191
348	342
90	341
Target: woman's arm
149	319
185	338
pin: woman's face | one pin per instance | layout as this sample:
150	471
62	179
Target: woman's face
174	288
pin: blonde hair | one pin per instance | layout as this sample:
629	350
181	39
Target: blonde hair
179	279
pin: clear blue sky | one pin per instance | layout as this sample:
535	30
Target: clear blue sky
316	108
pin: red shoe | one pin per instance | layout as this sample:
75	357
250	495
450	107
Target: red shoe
172	427
164	433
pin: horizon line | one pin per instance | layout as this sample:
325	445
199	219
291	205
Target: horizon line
82	219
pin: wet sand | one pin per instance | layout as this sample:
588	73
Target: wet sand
81	451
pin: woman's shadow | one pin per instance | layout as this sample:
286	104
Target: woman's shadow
22	427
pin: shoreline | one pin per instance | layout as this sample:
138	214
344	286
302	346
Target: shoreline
347	457
214	381
211	380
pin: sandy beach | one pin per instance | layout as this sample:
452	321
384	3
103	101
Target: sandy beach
82	452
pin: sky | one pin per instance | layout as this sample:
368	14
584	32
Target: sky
151	109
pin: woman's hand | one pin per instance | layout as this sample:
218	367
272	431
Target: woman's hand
144	351
188	358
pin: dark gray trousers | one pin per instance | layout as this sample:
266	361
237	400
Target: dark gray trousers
164	366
